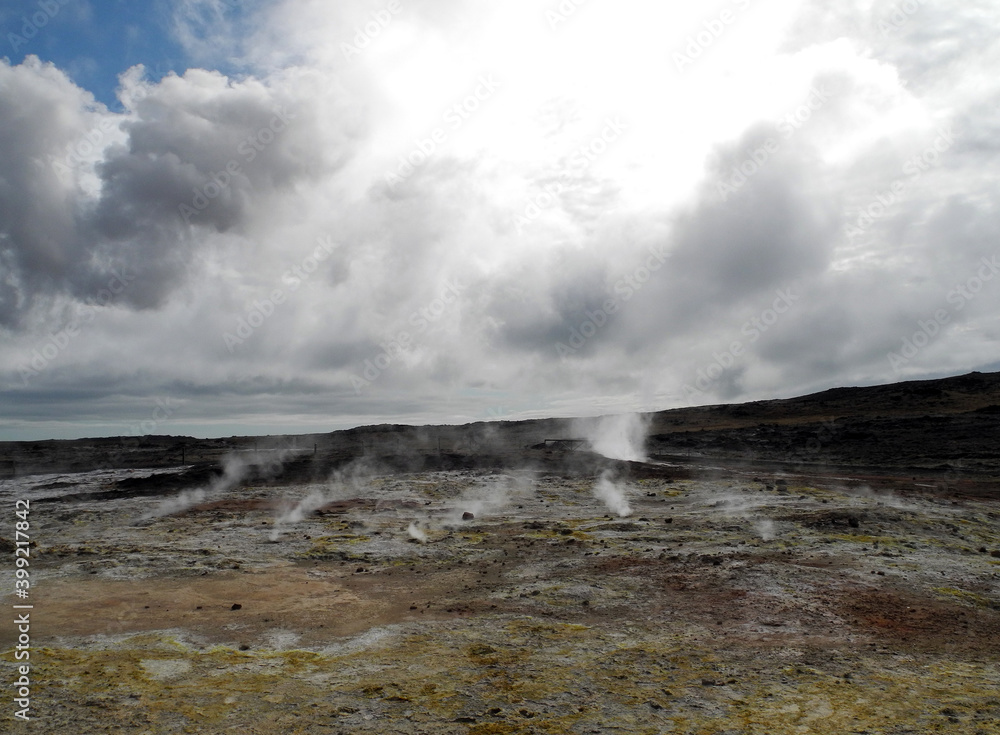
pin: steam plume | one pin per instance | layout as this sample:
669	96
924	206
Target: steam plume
612	495
491	497
765	527
349	481
416	532
618	437
177	503
299	511
234	469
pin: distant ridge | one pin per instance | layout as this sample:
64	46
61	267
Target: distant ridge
943	424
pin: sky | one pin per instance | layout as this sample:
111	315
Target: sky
231	217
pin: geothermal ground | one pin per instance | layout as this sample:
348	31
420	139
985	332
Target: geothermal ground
735	604
582	596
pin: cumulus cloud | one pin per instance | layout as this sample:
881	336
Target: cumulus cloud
92	197
587	233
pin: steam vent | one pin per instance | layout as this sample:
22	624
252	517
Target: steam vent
712	574
487	367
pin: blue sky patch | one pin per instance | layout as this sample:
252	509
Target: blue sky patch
95	41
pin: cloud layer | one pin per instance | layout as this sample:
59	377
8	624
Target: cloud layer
445	211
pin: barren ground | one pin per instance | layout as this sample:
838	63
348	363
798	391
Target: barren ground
726	602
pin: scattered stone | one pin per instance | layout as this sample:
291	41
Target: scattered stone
236	606
467	516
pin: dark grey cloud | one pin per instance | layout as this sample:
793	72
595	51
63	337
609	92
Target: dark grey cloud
41	112
195	153
641	270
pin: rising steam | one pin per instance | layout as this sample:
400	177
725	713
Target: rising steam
493	496
732	503
612	495
417	533
342	484
483	500
177	503
765	529
618	437
298	512
234	469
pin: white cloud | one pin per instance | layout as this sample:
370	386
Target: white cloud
298	151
